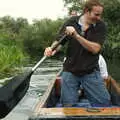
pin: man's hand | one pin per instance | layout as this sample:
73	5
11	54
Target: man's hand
70	30
48	52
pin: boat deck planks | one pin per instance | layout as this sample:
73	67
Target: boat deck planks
78	111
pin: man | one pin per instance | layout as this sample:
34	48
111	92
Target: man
85	37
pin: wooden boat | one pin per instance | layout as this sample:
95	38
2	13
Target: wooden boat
46	108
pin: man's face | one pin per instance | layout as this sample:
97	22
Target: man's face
95	14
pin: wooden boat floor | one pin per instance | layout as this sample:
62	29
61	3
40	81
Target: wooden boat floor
79	111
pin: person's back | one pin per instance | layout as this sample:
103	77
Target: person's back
103	67
109	81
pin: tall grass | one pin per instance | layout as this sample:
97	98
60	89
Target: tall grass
11	57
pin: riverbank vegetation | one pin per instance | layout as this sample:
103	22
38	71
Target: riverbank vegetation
21	41
11	54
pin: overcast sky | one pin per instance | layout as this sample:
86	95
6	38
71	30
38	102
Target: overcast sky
32	9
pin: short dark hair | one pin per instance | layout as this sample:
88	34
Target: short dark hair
90	3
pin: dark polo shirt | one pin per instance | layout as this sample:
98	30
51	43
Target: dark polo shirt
79	60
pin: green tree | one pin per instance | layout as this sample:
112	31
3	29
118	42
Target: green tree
39	35
112	17
74	5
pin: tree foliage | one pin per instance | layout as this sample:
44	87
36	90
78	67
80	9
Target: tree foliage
40	35
74	5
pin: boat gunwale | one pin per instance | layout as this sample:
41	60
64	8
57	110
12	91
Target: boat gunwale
51	117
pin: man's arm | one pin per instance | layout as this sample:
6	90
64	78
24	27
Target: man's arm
93	47
90	46
58	47
48	51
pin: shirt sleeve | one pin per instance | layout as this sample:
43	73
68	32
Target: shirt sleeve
62	30
99	33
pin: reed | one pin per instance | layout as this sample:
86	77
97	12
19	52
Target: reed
11	58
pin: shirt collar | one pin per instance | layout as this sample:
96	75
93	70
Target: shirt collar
79	22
